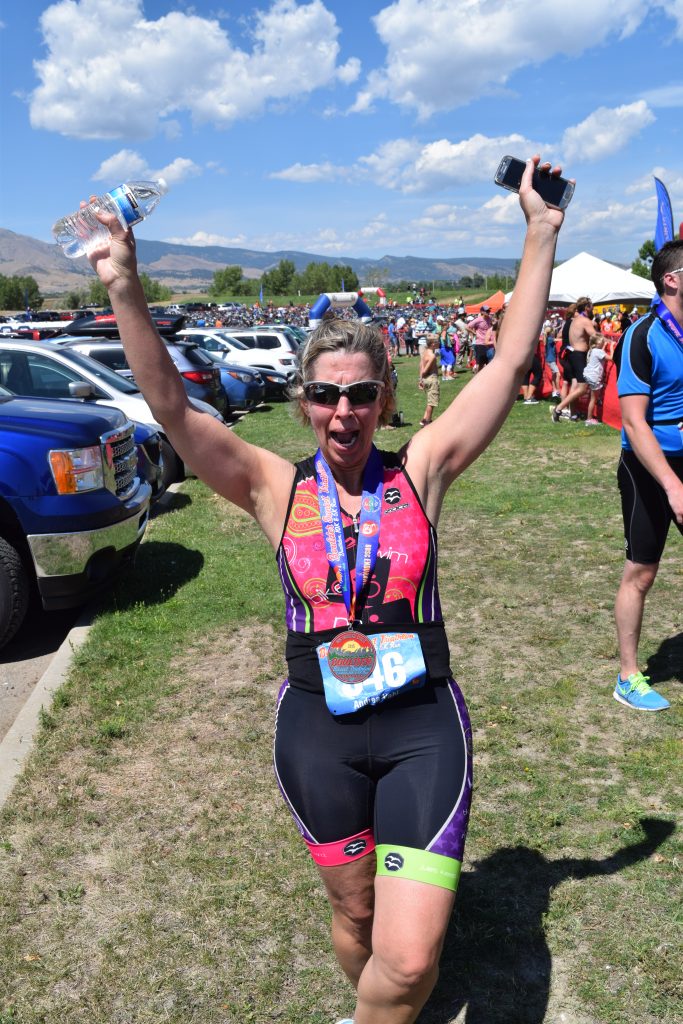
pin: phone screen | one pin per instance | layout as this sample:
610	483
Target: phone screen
553	190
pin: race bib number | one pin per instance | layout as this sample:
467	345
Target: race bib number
399	666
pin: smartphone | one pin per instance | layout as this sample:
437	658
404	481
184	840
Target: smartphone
553	190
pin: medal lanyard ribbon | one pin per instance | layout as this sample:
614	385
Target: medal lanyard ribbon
665	314
368	528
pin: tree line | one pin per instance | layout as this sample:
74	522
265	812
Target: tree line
24	293
284	280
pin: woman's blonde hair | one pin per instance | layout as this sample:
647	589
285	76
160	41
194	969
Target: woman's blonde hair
334	335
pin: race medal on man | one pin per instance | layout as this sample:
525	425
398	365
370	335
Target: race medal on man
351	657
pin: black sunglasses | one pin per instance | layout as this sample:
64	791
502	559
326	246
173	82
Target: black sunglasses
363	392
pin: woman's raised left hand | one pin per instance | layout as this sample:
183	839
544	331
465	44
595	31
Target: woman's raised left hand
536	211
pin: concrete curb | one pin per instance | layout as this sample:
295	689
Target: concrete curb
17	743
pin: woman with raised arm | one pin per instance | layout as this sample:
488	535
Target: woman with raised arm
373	741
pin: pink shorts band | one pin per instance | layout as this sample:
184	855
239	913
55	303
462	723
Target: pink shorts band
343	851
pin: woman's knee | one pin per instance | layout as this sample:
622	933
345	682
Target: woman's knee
406	966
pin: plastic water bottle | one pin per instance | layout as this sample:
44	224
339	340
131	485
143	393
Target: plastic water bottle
81	232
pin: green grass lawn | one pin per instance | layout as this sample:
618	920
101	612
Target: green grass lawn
149	871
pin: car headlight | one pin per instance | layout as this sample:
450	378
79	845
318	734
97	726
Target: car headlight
77	470
244	377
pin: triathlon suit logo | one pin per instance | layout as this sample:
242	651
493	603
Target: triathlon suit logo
392	495
355	847
393	862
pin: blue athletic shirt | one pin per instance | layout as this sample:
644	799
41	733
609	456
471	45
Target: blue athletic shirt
649	360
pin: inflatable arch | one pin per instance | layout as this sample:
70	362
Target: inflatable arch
342	300
374	291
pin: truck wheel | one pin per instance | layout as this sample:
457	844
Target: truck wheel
14	591
172	469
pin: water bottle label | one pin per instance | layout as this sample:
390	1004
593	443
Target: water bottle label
127	204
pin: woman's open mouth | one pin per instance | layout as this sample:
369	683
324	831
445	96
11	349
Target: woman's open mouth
344	438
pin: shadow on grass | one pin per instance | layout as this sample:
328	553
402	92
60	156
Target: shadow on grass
667	663
172	501
161	569
496	961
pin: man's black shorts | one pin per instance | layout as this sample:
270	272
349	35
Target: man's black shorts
645	508
577	364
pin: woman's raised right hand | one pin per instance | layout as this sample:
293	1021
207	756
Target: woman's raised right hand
114	260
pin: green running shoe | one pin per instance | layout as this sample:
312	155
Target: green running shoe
636	692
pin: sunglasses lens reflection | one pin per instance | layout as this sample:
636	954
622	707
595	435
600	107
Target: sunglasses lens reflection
362	393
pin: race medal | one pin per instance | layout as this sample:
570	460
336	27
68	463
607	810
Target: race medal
399	665
351	657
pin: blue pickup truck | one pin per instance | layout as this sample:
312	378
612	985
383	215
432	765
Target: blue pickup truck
73	507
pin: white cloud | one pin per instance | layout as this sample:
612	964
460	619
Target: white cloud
672	179
665	96
109	72
127	165
409	166
308	173
674	8
349	72
503	209
613	220
443	53
206	238
605	131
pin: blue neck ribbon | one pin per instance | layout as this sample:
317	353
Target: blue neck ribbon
665	314
368	528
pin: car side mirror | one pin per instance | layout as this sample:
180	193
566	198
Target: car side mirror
81	389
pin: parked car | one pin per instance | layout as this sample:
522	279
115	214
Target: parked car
276	341
198	375
195	366
221	344
244	386
300	333
104	325
44	370
73	508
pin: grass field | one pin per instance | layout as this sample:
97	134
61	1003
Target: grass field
150	873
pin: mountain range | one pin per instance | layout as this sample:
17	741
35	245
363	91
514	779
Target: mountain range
190	268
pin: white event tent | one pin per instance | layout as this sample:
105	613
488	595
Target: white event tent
602	282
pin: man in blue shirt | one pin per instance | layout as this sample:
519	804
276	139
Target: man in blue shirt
649	359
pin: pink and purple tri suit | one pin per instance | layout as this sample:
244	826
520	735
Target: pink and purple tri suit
396	776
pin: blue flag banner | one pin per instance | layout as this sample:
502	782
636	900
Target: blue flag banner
260	295
664	232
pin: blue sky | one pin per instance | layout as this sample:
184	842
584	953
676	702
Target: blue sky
343	127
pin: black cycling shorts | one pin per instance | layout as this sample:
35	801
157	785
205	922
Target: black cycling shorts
396	774
645	508
577	364
534	373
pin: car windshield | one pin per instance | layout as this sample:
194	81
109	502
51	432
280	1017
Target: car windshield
114	380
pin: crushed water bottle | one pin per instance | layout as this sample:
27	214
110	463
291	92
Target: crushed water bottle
81	232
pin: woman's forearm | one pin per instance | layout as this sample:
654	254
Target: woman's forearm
154	371
524	317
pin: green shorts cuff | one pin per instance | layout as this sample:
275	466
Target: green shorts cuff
418	866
